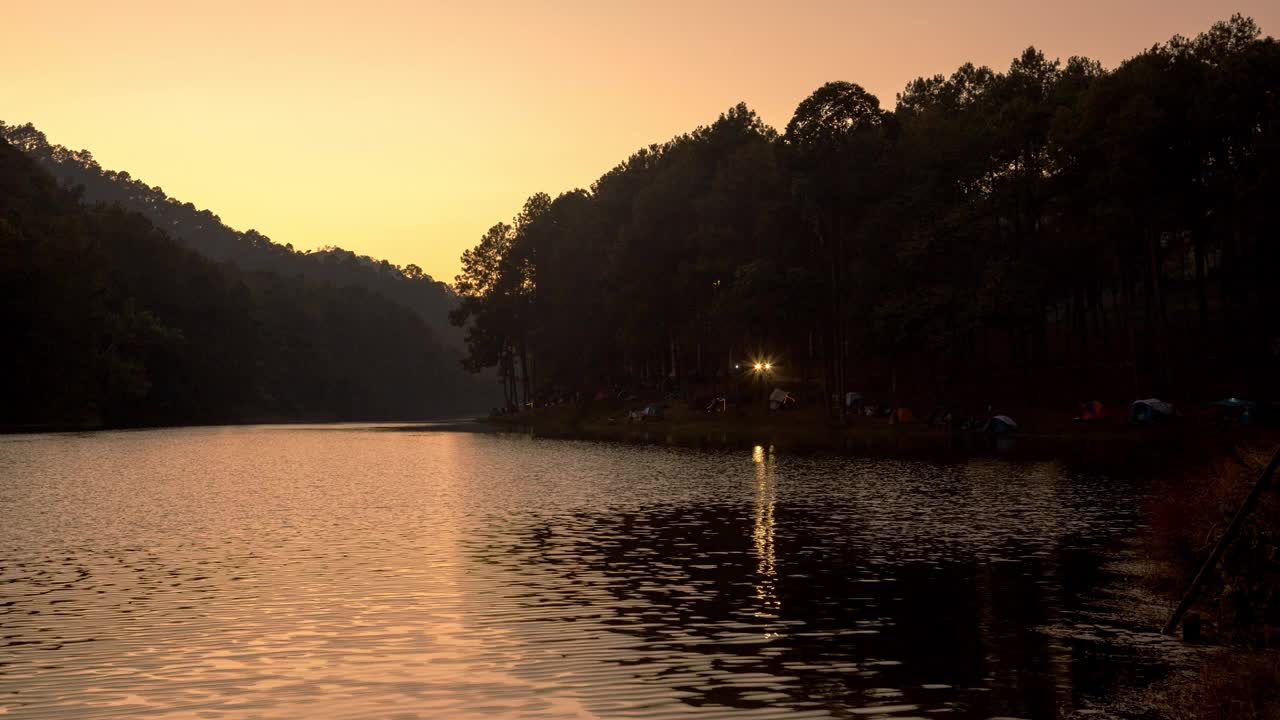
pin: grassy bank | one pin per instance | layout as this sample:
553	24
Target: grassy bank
1242	603
1239	608
1042	434
1243	684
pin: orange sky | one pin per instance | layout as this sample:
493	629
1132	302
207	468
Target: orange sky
404	129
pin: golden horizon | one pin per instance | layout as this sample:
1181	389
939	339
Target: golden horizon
404	130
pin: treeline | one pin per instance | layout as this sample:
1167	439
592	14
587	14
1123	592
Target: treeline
1055	232
110	322
205	233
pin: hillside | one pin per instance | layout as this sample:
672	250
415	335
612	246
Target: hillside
113	323
205	233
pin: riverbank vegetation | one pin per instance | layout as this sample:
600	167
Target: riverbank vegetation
1040	236
1239	686
113	323
1107	444
1240	605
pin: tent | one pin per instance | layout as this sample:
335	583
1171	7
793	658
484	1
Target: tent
1002	424
1149	411
1234	409
1232	403
652	411
852	400
780	398
1091	411
901	415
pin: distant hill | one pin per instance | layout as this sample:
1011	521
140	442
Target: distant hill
205	233
110	322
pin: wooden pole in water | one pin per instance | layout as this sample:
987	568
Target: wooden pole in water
1216	554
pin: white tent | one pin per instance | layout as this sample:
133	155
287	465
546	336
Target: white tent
1156	405
778	398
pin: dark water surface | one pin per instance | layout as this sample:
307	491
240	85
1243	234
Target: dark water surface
337	571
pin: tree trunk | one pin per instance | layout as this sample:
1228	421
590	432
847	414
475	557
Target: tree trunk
837	270
1084	328
506	395
1202	298
524	370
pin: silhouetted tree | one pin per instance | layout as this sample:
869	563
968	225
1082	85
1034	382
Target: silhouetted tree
1055	231
113	323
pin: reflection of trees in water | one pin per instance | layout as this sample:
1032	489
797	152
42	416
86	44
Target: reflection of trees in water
826	594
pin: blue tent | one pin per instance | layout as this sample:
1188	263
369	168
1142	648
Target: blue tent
1233	409
1232	403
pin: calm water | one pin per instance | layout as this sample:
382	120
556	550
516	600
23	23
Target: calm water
338	571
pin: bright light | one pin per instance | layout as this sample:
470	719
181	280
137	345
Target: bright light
759	366
768	366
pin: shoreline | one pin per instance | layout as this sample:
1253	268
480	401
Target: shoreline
1110	442
57	428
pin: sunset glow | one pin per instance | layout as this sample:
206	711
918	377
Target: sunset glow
403	130
516	360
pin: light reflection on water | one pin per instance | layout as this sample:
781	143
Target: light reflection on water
336	571
762	532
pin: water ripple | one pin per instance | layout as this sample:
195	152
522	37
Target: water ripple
274	572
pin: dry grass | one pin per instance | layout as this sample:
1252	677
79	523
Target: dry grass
1232	686
1242	598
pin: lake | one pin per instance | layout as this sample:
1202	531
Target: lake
357	571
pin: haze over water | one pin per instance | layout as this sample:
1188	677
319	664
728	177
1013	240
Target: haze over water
347	571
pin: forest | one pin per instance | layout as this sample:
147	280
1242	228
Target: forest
206	234
112	322
1048	234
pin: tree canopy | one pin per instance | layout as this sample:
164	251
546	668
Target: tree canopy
111	322
1055	231
205	233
